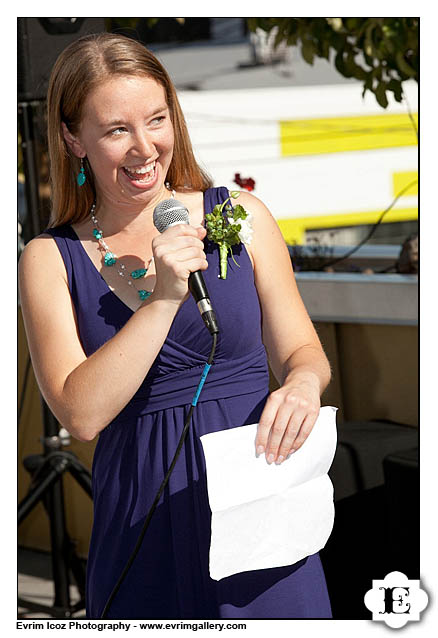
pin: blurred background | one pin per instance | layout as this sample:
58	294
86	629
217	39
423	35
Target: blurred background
318	118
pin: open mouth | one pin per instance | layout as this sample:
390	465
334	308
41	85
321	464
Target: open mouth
143	175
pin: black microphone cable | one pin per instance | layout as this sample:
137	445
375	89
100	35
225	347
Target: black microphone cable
166	478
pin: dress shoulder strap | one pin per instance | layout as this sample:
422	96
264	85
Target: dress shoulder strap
65	237
213	196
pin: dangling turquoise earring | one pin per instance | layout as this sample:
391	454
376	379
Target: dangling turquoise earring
81	176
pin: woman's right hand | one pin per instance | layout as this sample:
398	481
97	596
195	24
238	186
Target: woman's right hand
178	251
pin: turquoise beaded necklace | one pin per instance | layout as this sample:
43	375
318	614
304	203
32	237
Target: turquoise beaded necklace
110	259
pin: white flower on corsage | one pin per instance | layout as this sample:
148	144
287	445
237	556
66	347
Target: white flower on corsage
226	231
246	229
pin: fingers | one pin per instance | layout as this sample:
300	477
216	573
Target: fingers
178	251
181	242
184	262
168	243
295	436
285	424
265	423
181	252
181	230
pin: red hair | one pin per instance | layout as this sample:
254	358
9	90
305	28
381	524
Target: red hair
83	65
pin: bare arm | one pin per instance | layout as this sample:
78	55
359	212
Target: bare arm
86	394
294	350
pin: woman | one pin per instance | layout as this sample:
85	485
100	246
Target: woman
121	359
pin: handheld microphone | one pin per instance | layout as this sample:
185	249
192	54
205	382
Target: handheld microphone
168	213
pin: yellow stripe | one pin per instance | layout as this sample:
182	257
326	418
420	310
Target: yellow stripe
402	179
294	230
337	134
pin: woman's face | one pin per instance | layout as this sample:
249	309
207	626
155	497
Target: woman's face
127	134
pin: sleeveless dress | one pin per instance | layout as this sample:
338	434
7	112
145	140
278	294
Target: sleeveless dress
169	578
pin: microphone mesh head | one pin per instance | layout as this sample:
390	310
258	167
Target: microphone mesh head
170	212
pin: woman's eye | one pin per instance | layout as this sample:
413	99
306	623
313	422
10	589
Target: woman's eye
158	120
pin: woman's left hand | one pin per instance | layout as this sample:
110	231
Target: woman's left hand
287	419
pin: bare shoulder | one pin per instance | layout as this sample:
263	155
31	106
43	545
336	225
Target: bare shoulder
41	255
40	246
263	222
42	277
252	204
267	240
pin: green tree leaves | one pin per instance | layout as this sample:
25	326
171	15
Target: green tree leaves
380	52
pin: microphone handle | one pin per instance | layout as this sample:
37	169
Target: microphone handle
200	294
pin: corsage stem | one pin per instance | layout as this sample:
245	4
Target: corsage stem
223	252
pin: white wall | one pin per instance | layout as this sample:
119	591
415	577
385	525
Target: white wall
238	131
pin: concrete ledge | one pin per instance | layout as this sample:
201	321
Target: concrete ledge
358	298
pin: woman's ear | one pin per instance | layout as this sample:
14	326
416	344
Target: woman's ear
72	142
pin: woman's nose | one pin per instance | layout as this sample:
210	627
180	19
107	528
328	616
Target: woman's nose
144	144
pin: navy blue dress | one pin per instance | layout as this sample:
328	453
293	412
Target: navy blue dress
169	578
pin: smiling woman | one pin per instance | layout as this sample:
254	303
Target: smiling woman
126	133
86	65
122	363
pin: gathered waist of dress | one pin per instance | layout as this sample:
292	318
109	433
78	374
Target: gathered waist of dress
225	379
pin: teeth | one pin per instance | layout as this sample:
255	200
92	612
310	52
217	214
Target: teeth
142	170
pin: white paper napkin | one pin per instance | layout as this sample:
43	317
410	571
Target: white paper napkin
268	515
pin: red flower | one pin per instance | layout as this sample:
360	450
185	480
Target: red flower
244	182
